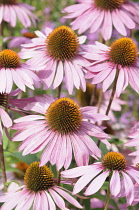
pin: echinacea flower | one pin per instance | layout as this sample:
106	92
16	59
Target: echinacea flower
121	56
57	54
39	192
103	14
13	71
62	127
16	41
114	167
9	9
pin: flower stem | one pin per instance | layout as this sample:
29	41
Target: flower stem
113	92
59	90
107	198
2	162
59	177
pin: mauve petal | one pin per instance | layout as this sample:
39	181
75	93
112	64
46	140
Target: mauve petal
118	24
51	202
3	80
29	118
62	154
107	26
28	132
120	82
59	75
18	80
37	201
44	202
82	39
129	187
69	153
57	199
97	23
85	179
55	151
76	7
81	76
101	76
125	18
1	133
6	120
88	21
13	14
80	151
109	79
115	184
68	197
97	183
68	77
27	203
76	78
45	157
76	172
9	80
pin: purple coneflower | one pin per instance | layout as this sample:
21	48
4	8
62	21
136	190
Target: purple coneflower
9	9
39	192
13	71
57	54
119	61
114	166
62	127
103	14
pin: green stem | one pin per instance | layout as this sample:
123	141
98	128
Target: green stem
107	198
108	194
3	169
59	90
59	177
113	92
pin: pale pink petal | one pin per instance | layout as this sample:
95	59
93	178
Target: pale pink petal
44	201
18	80
6	120
68	77
108	81
76	78
69	153
125	18
29	118
119	26
76	172
115	184
62	153
37	201
120	82
68	197
85	179
51	202
3	80
57	199
59	75
97	23
97	183
9	80
107	26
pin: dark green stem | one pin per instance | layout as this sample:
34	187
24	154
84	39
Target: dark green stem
113	92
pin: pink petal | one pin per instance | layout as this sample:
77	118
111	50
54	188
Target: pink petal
107	26
97	183
57	199
6	120
115	184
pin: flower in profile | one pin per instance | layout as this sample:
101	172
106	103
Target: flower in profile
39	192
114	167
9	9
57	54
24	38
121	56
13	71
62	127
103	14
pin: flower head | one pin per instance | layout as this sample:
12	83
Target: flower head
39	191
103	15
9	9
114	166
62	127
122	55
13	71
57	54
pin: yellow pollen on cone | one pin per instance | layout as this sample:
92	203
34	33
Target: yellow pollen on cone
108	4
9	59
62	43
